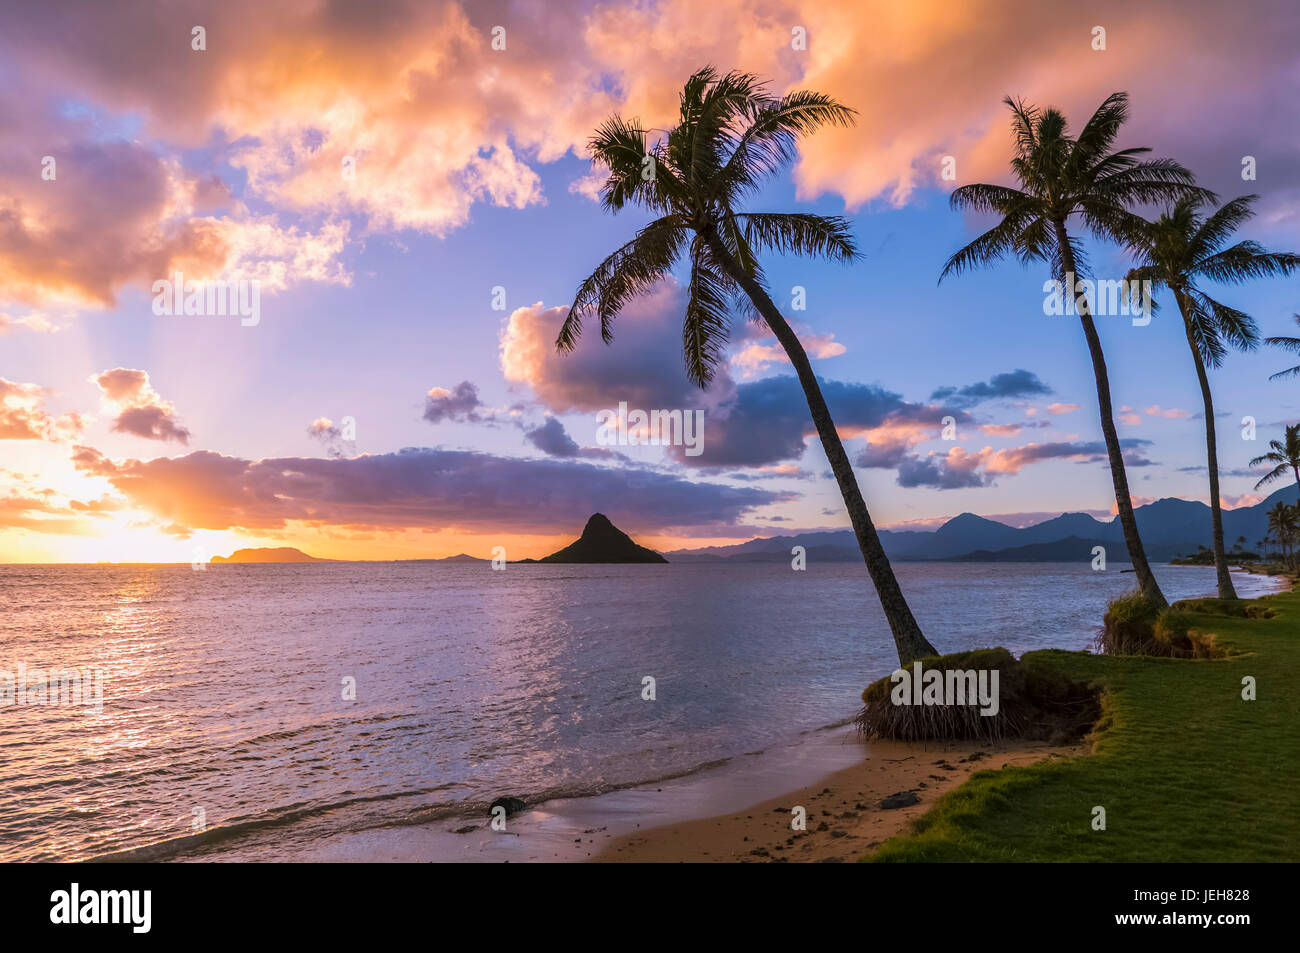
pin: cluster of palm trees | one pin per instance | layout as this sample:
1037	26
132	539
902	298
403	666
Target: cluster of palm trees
732	134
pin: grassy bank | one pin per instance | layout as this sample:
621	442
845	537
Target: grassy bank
1186	769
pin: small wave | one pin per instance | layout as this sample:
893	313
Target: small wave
222	834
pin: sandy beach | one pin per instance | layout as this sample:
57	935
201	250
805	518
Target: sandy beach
845	816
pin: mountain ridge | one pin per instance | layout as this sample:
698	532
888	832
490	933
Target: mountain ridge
1170	527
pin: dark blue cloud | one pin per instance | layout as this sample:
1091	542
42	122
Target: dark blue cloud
768	419
552	439
460	404
1017	383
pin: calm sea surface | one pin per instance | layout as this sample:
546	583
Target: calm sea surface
223	689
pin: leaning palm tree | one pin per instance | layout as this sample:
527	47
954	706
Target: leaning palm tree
1287	344
1284	455
1175	252
732	134
1061	177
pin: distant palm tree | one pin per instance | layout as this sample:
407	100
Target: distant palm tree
1061	177
1284	455
732	134
1286	344
1176	251
1284	522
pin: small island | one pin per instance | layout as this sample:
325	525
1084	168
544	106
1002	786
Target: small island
281	554
601	542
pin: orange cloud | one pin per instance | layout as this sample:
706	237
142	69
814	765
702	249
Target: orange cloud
23	417
406	115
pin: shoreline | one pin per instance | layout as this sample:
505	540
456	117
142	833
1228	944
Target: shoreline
847	816
836	776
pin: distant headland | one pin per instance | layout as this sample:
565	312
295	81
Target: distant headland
282	554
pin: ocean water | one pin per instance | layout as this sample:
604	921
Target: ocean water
223	690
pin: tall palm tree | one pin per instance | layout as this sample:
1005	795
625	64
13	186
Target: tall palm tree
1175	252
731	135
1284	455
1061	177
1286	344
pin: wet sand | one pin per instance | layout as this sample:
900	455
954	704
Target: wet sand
845	817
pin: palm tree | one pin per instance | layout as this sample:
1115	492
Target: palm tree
1061	177
1286	344
1284	455
732	134
1175	252
1284	522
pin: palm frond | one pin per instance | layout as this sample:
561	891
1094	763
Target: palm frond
1002	239
1211	233
707	320
819	236
1236	327
1198	314
1246	261
769	142
631	270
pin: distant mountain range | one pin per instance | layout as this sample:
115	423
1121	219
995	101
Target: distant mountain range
1169	528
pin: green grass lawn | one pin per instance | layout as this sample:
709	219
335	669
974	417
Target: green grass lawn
1186	769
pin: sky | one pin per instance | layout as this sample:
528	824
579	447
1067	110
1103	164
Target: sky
408	186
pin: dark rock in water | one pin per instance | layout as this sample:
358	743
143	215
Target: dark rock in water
469	829
513	805
901	799
603	542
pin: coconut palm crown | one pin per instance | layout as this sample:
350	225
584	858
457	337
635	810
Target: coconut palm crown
1286	343
1284	455
731	136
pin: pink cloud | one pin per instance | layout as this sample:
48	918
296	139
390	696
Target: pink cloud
140	410
1172	414
1001	430
643	366
1237	502
763	350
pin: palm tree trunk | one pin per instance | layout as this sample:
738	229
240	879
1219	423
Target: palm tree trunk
908	638
1119	476
1226	590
